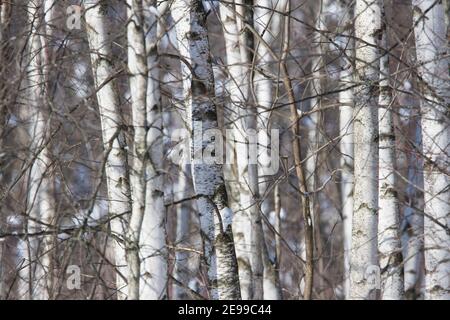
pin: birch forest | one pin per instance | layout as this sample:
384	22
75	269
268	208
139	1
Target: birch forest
224	150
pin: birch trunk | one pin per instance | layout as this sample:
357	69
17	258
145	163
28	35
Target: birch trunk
346	148
153	234
237	97
248	222
263	89
389	245
247	174
364	230
431	45
116	171
244	18
215	215
346	106
40	200
346	160
137	67
22	286
47	205
265	23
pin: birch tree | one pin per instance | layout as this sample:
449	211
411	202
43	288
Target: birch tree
364	230
263	21
431	46
215	215
247	169
137	66
267	22
40	200
96	204
389	245
236	107
148	211
153	235
346	159
116	167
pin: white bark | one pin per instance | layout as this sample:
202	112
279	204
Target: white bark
244	16
113	140
215	215
364	230
236	109
247	174
346	149
242	220
40	202
148	211
153	234
346	146
389	245
262	82
431	46
266	24
315	130
137	66
47	206
23	273
271	280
